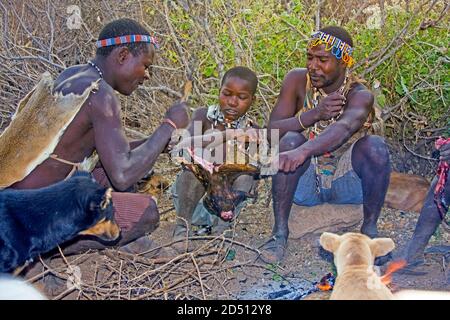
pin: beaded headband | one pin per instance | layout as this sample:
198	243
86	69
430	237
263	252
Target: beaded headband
339	48
127	39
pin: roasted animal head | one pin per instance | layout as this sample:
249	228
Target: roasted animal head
220	199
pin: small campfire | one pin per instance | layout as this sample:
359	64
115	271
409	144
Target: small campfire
295	289
326	283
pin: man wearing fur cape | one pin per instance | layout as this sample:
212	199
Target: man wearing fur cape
62	122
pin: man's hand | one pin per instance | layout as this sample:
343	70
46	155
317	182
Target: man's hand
330	106
445	153
290	160
179	115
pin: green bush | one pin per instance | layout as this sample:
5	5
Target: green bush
274	41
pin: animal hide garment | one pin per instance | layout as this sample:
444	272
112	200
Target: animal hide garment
36	128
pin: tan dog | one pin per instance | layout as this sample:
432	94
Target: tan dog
354	255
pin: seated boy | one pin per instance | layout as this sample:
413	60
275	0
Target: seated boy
236	95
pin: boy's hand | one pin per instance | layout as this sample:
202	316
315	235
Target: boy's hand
331	106
178	113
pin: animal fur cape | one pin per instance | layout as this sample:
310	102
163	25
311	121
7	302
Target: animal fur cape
36	128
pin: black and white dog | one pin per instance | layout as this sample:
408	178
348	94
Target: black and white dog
33	222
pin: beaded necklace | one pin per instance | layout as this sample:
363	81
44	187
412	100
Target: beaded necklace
321	125
92	64
317	95
216	116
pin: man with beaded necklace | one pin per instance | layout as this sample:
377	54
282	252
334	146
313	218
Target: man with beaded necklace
323	114
125	53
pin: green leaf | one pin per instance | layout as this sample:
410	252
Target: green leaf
276	277
231	255
402	82
381	100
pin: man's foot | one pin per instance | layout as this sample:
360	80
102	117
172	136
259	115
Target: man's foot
370	230
415	268
273	250
180	239
440	250
143	246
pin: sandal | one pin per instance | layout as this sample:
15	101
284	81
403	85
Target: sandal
416	268
273	250
180	239
443	250
143	246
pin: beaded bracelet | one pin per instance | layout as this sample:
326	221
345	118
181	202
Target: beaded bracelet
170	122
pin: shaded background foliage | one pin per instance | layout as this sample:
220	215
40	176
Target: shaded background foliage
401	49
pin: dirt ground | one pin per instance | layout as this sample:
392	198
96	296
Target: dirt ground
234	273
305	260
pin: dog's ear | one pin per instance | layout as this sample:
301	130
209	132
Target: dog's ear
330	241
381	246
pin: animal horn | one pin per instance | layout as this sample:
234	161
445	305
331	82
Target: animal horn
106	199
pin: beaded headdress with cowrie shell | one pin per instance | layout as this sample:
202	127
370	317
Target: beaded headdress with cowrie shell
339	48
